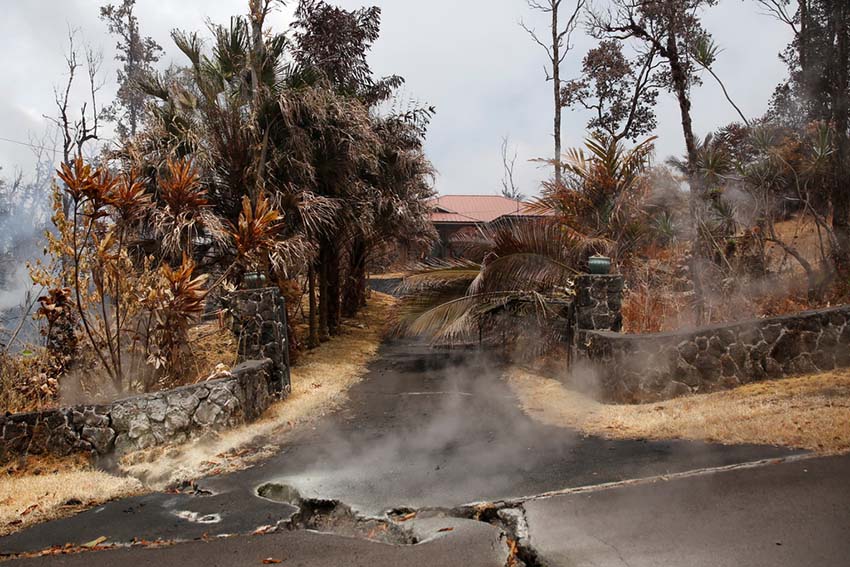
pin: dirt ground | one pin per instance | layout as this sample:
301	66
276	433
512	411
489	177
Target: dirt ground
808	412
39	489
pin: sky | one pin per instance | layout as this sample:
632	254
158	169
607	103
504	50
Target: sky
468	58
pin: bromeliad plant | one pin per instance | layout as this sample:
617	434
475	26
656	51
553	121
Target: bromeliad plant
185	213
259	240
171	307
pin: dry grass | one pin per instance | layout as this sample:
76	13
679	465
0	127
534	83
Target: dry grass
24	381
212	344
47	488
319	383
809	412
800	232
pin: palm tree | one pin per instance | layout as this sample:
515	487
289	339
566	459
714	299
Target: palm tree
519	265
293	122
600	197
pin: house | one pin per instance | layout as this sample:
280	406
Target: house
456	215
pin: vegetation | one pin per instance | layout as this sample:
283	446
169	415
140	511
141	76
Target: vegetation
748	223
598	207
281	152
275	153
806	412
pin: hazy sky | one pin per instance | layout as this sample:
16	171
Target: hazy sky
469	58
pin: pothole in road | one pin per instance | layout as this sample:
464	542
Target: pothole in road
332	516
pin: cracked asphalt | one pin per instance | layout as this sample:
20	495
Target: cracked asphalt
428	428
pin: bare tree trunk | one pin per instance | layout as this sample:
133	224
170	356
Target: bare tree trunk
803	45
131	67
556	50
680	86
333	303
355	287
556	82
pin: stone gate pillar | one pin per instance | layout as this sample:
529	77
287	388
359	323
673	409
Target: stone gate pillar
259	324
598	306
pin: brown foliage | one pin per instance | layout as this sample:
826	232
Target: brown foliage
256	231
173	305
180	188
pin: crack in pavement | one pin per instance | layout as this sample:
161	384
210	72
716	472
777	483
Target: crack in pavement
659	478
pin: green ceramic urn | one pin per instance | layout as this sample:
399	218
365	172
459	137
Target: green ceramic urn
254	280
599	265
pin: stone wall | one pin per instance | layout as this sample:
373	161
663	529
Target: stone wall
643	368
259	323
173	416
144	421
598	303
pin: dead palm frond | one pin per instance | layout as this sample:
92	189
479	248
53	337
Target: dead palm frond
472	317
435	274
522	259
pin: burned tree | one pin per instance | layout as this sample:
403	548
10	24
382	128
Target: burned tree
619	92
818	90
137	54
672	29
556	47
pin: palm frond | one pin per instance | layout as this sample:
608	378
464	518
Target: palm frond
438	273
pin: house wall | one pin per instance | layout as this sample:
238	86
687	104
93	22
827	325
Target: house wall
444	249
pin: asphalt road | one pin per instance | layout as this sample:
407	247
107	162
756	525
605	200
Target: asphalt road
477	545
786	515
424	428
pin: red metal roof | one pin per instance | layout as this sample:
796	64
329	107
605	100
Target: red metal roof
474	208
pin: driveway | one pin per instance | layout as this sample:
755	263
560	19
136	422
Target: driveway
424	428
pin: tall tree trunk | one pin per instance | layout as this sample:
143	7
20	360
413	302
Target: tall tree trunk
556	80
324	333
257	10
680	86
355	285
132	73
313	339
803	47
333	303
